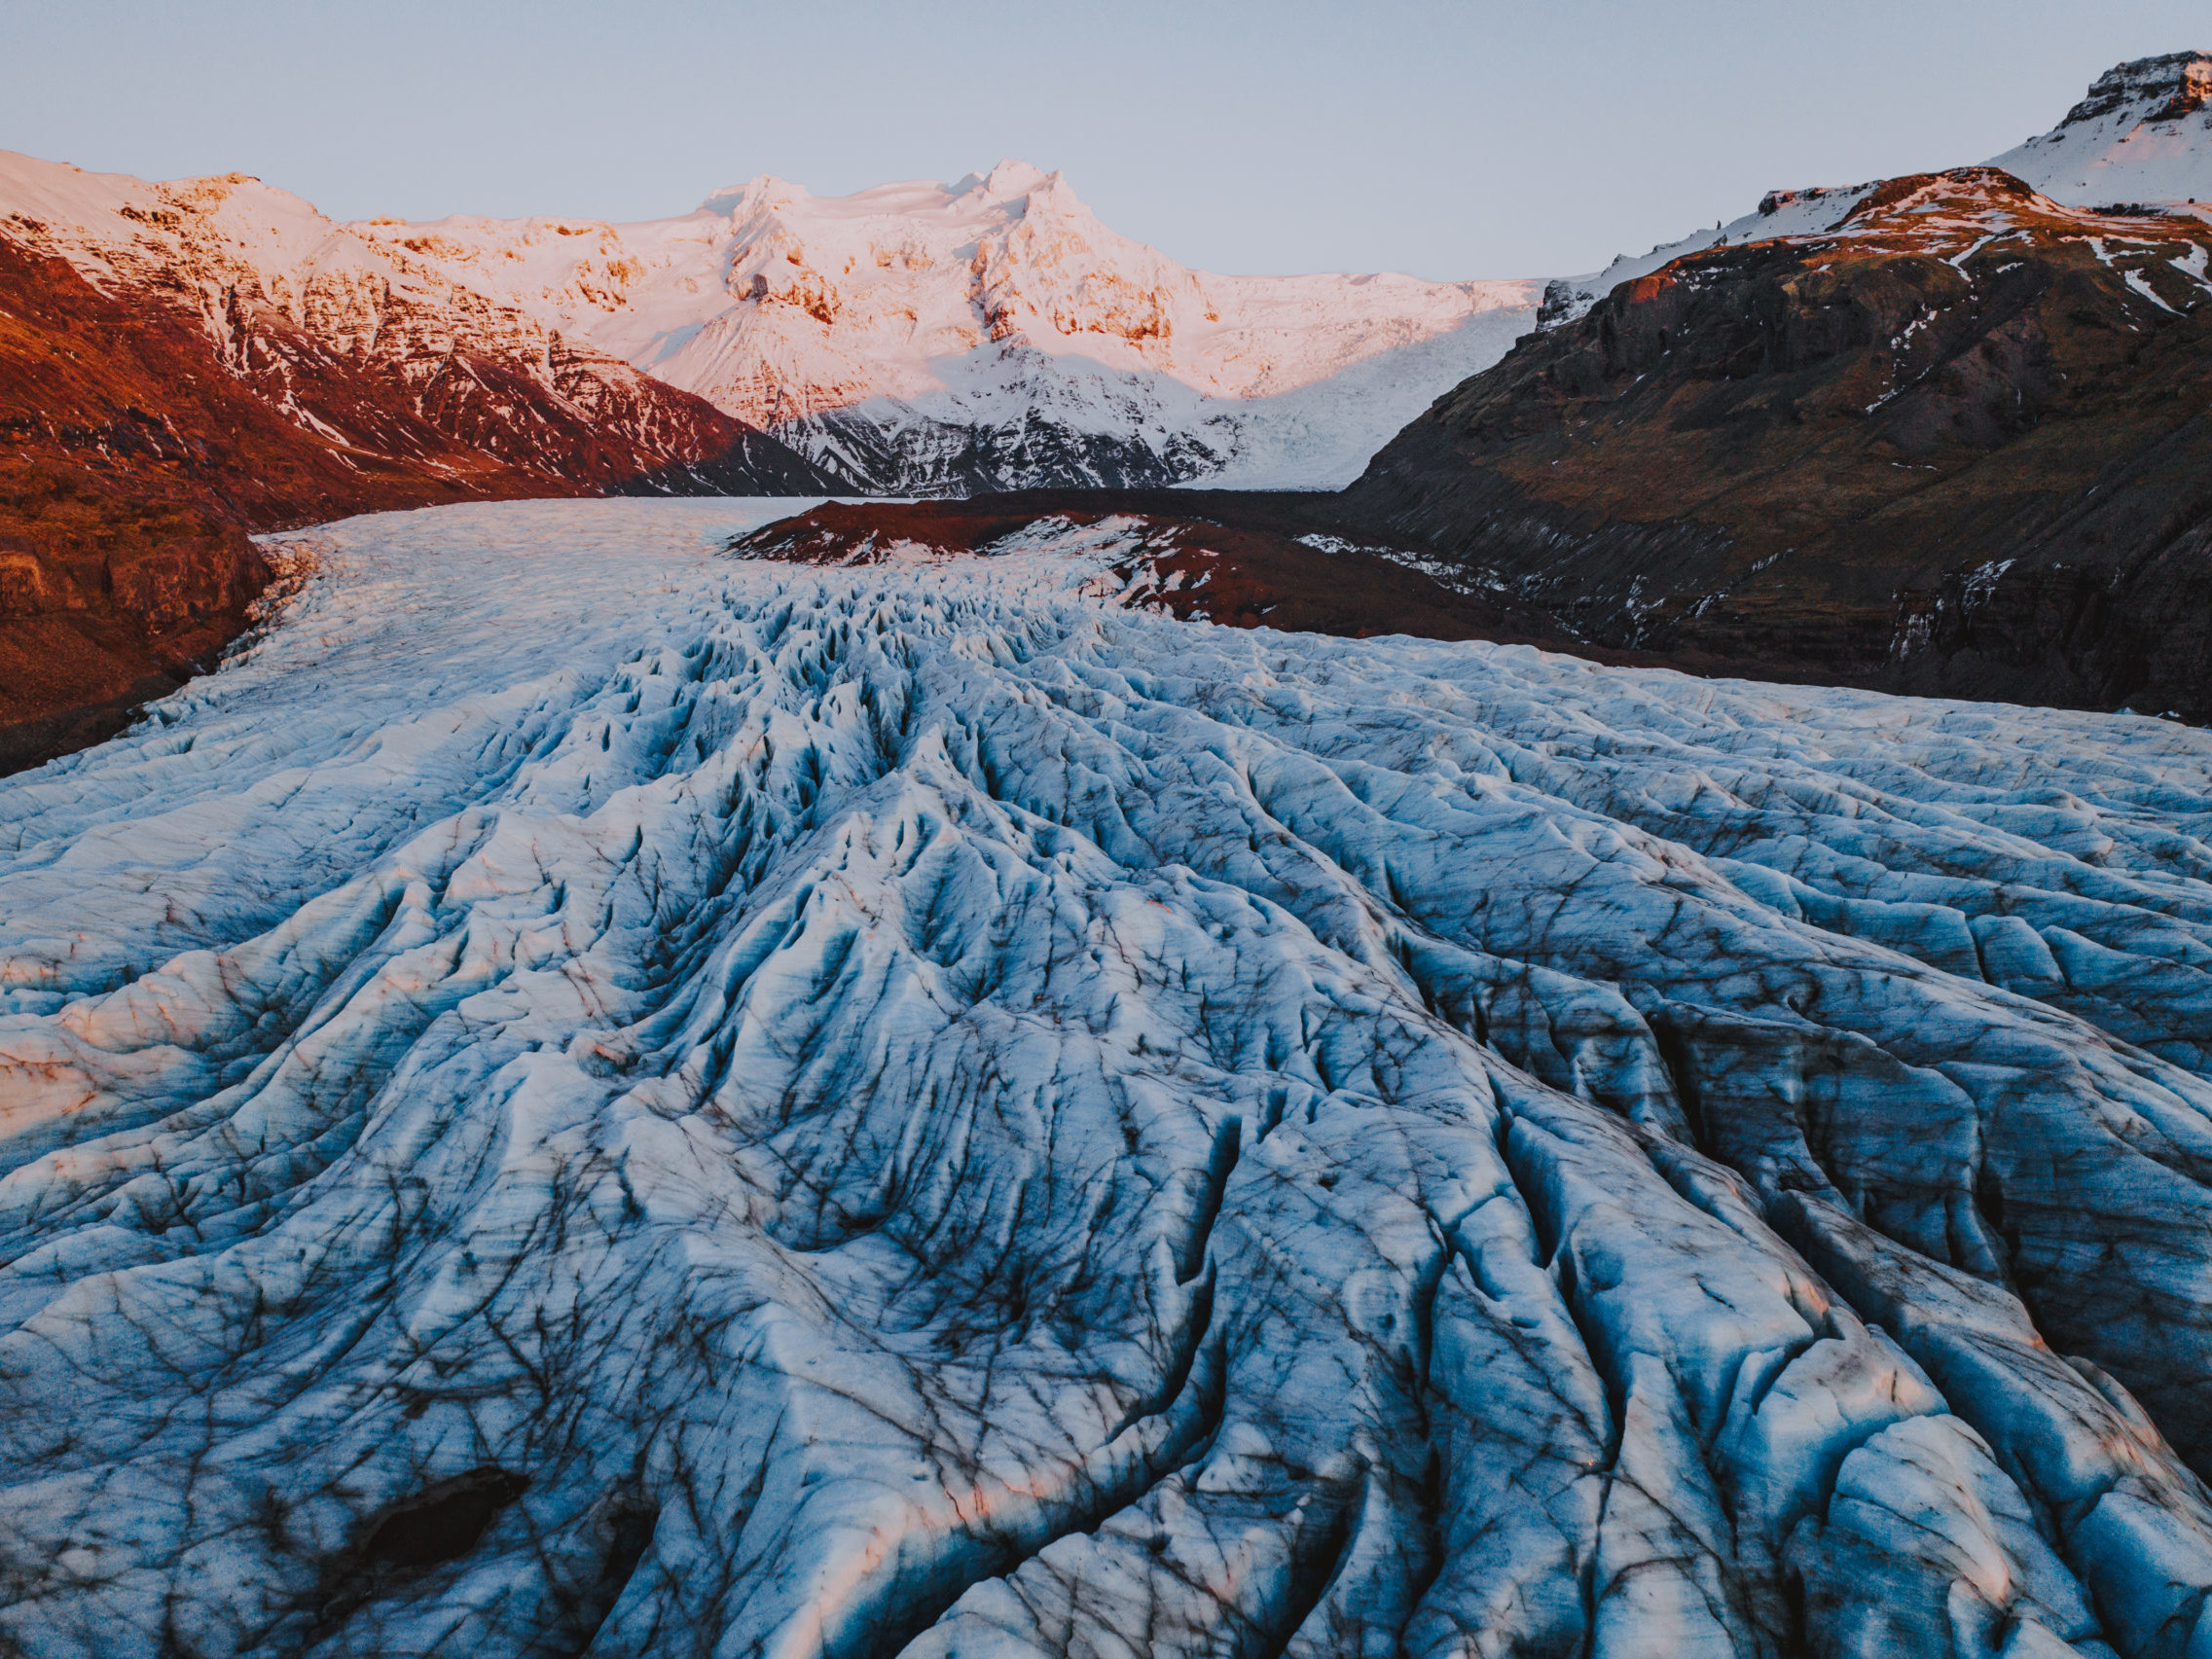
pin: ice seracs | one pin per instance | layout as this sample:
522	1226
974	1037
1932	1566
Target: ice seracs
583	1096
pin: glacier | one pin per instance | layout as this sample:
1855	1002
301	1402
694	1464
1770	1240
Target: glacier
586	1096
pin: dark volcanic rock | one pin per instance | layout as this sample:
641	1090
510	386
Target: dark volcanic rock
1961	444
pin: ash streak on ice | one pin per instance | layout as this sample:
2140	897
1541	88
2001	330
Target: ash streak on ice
589	1097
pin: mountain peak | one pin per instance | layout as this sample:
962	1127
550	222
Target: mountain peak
2173	85
1007	178
761	187
2143	135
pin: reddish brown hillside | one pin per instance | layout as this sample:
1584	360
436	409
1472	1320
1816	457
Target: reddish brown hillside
132	462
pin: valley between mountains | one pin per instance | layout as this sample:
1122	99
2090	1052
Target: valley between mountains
870	926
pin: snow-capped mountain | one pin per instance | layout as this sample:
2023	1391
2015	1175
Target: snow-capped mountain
914	337
585	1098
382	358
2143	135
986	334
1937	432
1952	443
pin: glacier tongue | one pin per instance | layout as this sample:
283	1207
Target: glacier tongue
586	1097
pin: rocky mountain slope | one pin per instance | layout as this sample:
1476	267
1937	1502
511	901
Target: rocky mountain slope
131	460
591	1098
2142	137
375	353
1941	433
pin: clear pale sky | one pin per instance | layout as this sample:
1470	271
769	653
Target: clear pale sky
1469	139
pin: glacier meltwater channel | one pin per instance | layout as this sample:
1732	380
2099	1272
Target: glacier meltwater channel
582	1096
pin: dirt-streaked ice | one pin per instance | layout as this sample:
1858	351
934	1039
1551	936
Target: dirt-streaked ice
586	1097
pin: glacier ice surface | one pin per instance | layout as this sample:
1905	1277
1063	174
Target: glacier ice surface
585	1097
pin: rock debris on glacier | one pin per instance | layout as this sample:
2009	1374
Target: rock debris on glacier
584	1096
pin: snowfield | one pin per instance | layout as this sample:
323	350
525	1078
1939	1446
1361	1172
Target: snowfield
586	1097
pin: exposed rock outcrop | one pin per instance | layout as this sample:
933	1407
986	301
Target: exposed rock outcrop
2142	135
1244	563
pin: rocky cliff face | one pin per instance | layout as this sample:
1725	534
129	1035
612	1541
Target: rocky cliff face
1959	443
